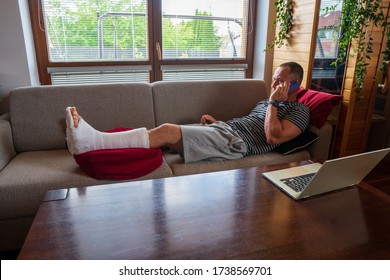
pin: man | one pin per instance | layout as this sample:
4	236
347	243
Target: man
271	122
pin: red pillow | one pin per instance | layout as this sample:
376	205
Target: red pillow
122	164
319	103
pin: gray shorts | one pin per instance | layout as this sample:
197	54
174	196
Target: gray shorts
216	141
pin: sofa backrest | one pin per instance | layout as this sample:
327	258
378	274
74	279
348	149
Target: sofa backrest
37	114
186	102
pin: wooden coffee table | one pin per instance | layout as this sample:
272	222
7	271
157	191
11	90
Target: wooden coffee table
232	214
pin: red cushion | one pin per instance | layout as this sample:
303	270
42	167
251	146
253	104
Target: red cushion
122	164
319	103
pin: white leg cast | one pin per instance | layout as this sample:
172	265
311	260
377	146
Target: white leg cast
85	138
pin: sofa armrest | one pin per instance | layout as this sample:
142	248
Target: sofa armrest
319	150
7	150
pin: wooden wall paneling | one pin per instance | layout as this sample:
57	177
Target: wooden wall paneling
297	47
382	46
342	125
370	89
346	110
301	45
355	114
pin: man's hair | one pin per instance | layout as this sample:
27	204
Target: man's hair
295	68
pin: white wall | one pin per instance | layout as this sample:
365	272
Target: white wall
17	56
262	61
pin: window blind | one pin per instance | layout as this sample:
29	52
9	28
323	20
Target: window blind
99	75
204	29
203	72
87	30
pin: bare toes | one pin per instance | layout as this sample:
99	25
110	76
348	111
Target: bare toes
76	117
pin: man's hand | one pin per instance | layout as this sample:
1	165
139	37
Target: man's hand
207	119
280	92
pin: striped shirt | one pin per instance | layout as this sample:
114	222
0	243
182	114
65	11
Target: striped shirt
251	127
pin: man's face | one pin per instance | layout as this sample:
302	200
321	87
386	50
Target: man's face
281	75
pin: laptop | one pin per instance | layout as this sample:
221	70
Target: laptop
316	178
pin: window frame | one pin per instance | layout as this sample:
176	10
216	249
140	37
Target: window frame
154	23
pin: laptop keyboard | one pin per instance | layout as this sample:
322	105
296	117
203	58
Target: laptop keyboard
298	183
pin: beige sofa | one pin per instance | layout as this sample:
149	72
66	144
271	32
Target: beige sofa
33	154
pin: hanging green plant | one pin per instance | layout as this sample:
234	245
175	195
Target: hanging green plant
358	19
383	69
284	20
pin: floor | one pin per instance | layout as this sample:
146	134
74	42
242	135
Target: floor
379	177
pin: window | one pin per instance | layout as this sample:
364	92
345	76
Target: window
89	41
204	29
84	31
327	77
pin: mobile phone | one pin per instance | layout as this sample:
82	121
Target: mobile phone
293	85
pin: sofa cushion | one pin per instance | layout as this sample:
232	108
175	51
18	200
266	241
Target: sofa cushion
319	103
25	180
37	114
186	102
299	143
180	168
120	164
